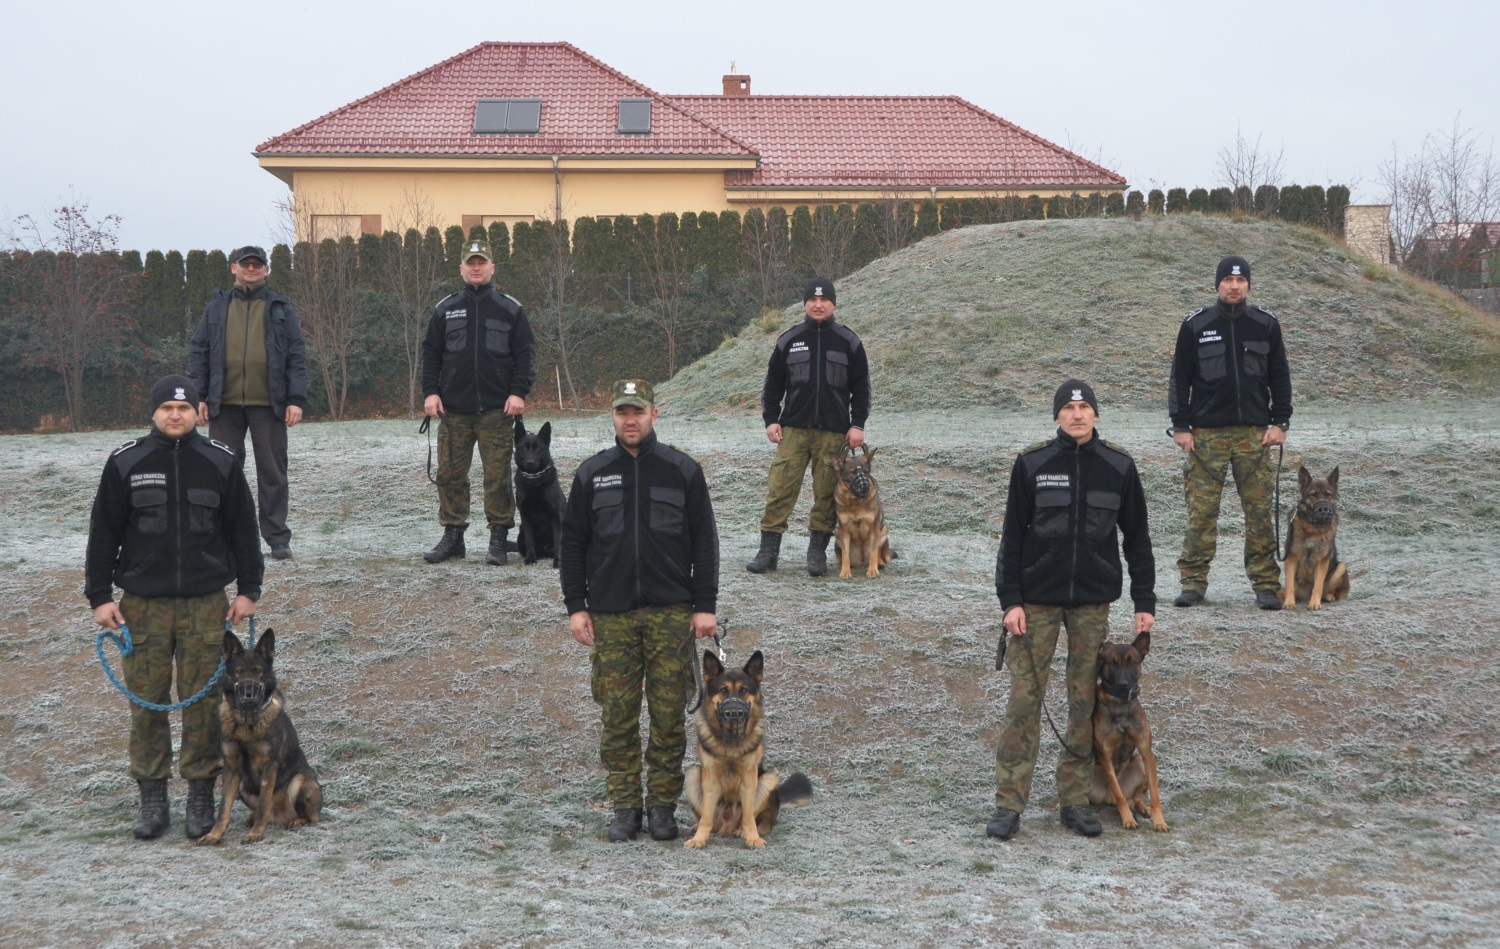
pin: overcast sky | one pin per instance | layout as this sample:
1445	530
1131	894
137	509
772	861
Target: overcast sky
151	109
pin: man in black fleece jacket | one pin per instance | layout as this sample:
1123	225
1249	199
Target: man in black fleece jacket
1070	501
173	523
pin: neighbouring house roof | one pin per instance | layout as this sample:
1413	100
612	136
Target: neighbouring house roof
881	141
432	112
801	142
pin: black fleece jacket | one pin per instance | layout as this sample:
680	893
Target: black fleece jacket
1067	504
479	350
1230	368
819	366
172	517
639	531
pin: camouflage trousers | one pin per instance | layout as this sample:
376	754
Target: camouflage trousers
1216	452
651	646
494	432
187	632
798	447
1029	659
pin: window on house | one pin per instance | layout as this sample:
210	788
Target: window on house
635	116
336	226
507	116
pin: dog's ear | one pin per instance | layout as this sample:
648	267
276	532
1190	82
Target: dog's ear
1142	643
520	429
1103	655
266	648
233	648
1304	477
546	433
1333	477
869	456
711	666
756	667
836	460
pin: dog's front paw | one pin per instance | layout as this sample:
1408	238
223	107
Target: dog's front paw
755	842
210	839
1159	824
528	561
1315	604
696	841
1128	821
873	572
846	574
254	837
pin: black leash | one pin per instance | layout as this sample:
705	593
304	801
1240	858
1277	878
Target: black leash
426	429
1280	450
695	668
1037	678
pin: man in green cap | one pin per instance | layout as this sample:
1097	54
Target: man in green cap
640	580
478	364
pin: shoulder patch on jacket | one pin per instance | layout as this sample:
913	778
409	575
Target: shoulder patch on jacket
787	335
594	463
1194	313
1261	309
681	459
444	300
220	445
849	335
1118	458
1037	447
130	454
130	444
510	298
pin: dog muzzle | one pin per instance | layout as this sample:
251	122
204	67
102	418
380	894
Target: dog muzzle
734	718
859	485
250	694
1321	513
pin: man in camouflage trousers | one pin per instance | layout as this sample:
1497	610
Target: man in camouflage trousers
640	580
1071	500
1230	399
173	522
478	364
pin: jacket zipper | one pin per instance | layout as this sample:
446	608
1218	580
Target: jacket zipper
819	379
1077	517
181	509
475	325
245	355
635	488
1234	365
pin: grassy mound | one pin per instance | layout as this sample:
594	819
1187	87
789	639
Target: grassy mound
999	315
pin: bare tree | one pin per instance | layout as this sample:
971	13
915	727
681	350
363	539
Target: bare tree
564	326
1247	167
766	245
664	262
324	288
410	280
78	292
1438	199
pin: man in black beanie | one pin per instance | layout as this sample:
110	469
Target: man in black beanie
1230	398
173	523
1072	499
819	368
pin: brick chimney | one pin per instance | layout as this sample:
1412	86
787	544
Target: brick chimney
736	85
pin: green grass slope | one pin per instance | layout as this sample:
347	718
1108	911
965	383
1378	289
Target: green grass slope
999	315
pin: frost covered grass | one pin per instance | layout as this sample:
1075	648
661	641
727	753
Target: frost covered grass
1330	778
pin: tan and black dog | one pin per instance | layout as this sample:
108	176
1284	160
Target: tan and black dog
263	761
861	539
731	792
1124	764
1314	574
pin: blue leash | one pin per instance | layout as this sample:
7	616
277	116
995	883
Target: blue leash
126	647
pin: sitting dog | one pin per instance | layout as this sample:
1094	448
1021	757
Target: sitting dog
861	538
539	495
1314	574
731	792
263	761
1124	763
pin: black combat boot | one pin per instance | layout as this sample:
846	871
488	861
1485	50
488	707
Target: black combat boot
451	546
1077	818
817	553
626	825
200	807
496	556
662	820
770	549
154	817
1003	823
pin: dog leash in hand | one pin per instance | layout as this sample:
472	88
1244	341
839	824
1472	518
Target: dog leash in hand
1042	699
695	668
426	429
126	647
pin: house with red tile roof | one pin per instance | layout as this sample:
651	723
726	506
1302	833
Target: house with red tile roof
525	131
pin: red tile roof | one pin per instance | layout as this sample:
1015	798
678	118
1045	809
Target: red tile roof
803	142
881	141
432	112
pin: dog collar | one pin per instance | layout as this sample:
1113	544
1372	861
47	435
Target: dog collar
537	476
1121	693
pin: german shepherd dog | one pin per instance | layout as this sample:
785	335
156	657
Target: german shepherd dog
539	496
861	539
263	762
1124	763
731	792
1314	574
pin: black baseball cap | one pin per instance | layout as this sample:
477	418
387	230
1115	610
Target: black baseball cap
249	250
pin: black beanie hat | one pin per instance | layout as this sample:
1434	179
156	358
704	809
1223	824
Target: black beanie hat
1074	390
1232	266
172	389
819	287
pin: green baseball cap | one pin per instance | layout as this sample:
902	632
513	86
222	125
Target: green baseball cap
636	392
478	249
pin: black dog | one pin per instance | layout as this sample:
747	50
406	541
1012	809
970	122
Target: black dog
539	495
263	762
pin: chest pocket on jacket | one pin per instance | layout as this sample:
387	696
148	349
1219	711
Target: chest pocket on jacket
150	506
203	506
609	512
668	507
1256	354
1211	362
1051	516
497	336
799	366
1103	513
836	369
457	332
